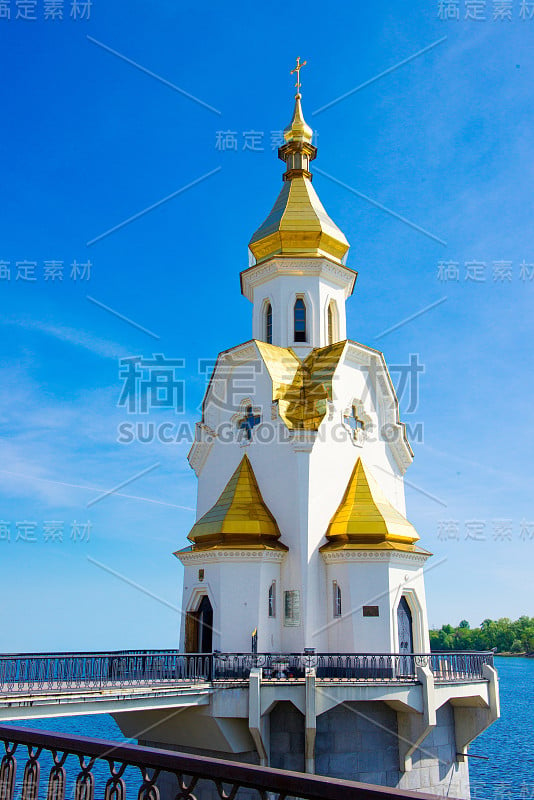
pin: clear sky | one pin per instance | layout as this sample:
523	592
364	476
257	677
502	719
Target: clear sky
104	118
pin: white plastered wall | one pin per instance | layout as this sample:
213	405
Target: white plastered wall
281	292
237	583
375	579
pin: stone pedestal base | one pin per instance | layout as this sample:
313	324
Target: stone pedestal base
355	741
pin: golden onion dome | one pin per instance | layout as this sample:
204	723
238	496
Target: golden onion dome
298	129
298	224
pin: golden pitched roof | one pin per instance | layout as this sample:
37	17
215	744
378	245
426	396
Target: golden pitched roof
301	388
298	224
239	518
366	519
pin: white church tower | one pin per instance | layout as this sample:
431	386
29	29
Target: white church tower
301	533
301	543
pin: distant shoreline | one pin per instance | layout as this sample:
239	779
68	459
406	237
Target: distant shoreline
504	653
503	636
515	655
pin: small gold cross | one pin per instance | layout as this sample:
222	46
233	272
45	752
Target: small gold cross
297	70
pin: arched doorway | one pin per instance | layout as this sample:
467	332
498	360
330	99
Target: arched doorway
205	625
199	628
405	633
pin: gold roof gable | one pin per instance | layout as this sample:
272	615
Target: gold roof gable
302	388
239	518
366	519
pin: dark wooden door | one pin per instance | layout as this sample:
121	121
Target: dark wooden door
191	632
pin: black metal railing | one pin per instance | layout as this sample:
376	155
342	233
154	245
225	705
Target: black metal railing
445	666
63	672
38	764
288	666
70	671
451	666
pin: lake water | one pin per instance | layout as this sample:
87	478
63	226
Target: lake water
508	774
508	745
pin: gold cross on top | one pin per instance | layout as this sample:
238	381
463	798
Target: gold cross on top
297	70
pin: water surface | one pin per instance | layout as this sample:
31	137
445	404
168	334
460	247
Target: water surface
507	772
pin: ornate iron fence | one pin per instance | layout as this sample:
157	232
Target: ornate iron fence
446	666
144	770
60	672
288	666
71	671
450	666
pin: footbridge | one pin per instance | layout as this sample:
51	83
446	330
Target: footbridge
35	685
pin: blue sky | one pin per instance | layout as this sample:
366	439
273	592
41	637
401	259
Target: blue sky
90	140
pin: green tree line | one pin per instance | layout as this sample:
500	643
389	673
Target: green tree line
504	634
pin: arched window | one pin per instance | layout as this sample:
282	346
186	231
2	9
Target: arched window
331	323
272	599
269	324
337	599
299	315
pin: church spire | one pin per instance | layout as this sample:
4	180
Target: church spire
298	224
298	150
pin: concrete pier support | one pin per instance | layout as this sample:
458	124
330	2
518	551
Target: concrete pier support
414	728
403	734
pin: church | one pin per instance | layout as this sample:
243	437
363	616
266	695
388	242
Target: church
301	532
302	562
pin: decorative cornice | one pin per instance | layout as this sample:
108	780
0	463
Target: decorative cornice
200	449
195	557
258	274
374	556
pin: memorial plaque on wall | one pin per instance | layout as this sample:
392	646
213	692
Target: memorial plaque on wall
292	607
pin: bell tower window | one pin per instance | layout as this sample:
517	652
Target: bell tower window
269	324
332	333
299	316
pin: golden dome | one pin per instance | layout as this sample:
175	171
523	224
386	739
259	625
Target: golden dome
298	224
298	129
366	519
239	518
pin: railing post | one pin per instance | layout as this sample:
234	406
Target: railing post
310	720
254	714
